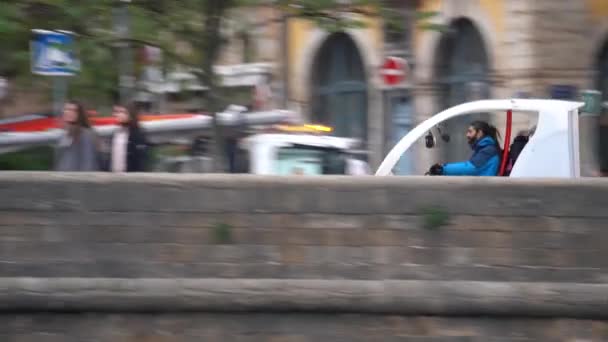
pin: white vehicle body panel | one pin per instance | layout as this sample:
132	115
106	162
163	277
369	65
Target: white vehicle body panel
263	148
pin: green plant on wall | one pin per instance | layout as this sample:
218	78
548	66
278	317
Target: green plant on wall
222	233
435	217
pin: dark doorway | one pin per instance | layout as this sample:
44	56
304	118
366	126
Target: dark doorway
462	70
339	88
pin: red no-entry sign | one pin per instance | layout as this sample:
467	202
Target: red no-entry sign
394	70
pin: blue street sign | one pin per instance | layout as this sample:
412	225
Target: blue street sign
53	53
563	92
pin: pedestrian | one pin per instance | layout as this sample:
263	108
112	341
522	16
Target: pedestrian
77	149
129	149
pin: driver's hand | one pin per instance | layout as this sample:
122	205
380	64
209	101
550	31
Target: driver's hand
436	170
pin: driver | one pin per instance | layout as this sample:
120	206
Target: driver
485	161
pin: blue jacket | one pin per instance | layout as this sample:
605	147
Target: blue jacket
485	161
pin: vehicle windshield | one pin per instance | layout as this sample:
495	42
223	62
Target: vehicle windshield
306	160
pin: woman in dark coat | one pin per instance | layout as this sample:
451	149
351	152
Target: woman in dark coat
129	148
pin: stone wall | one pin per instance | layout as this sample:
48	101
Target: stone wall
101	257
252	227
291	328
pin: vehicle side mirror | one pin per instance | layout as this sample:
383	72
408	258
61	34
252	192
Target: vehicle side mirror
444	136
429	140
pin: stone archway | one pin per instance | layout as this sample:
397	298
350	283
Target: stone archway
339	87
462	71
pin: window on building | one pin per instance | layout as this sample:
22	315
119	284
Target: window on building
339	87
247	46
397	28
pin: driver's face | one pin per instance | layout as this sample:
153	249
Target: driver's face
473	135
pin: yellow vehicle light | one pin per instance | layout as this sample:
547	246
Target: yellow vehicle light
304	128
320	128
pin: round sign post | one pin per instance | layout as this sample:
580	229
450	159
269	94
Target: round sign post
394	71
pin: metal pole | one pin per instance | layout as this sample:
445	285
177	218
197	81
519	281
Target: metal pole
59	94
3	92
122	26
285	58
589	122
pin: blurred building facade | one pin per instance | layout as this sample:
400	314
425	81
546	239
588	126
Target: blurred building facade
335	79
511	48
490	49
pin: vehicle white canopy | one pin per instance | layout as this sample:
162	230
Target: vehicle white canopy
553	150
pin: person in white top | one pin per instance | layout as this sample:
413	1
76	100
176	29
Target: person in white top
119	150
129	145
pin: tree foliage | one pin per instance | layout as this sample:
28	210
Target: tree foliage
189	32
168	24
91	20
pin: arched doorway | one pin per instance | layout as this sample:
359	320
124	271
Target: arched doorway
339	87
462	70
602	86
